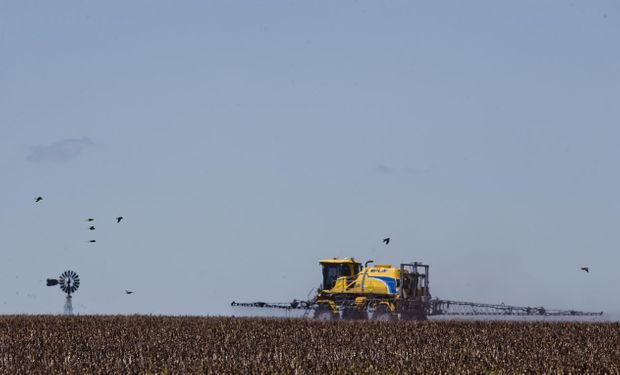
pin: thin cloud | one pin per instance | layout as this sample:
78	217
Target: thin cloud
416	170
382	169
59	151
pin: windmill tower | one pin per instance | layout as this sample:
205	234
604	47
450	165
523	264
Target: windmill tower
69	282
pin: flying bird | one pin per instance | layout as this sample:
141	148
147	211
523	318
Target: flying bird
118	219
386	240
91	227
38	199
90	219
128	291
585	269
92	241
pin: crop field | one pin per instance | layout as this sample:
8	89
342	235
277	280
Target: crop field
151	344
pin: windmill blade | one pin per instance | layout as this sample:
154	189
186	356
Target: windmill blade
69	281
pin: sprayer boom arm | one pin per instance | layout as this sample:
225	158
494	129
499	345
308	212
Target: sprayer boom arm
441	307
447	307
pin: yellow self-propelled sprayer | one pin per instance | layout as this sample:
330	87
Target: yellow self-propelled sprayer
382	292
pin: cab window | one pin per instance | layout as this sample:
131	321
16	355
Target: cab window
331	272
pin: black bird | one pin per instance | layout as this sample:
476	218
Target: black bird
92	241
90	219
585	269
38	199
118	219
128	291
91	227
386	240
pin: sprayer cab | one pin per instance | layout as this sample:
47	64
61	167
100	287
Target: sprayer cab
334	269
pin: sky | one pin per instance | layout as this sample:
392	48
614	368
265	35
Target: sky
244	141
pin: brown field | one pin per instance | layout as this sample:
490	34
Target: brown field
141	344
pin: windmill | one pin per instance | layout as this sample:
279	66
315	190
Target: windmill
69	282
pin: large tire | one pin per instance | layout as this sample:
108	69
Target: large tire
324	312
382	313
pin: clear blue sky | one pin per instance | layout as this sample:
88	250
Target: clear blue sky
244	141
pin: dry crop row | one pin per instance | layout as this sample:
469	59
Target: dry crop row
140	344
